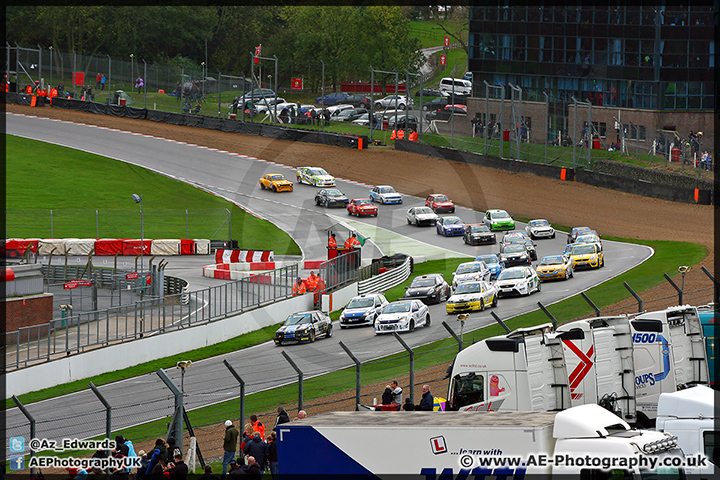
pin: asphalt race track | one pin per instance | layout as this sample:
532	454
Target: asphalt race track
235	177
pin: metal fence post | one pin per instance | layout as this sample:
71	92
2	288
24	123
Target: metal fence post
108	410
678	289
357	374
32	424
242	390
594	307
547	124
632	292
177	427
500	322
550	315
300	379
412	365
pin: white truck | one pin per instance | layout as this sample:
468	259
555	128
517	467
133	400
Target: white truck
582	440
623	363
690	416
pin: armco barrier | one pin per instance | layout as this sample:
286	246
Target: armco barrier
384	281
598	179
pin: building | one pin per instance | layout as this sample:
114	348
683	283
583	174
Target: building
650	65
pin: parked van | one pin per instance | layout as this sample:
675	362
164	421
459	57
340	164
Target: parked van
460	85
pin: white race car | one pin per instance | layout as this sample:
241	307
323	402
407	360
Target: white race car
471	296
469	271
362	310
518	281
539	228
420	216
315	176
402	316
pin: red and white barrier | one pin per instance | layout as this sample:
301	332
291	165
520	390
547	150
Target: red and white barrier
238	256
16	247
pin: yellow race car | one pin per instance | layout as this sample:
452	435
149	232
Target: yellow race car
587	255
276	182
554	267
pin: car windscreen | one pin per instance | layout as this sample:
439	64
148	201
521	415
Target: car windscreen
387	190
557	260
362	202
515	248
299	319
277	177
361	303
499	215
471	268
583	249
423	282
488	259
334	193
587	239
397	308
479	228
539	223
440	198
423	210
452	221
511	274
467	288
317	171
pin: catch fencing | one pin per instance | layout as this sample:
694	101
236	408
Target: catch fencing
74	333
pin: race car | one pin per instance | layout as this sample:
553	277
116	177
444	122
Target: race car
539	228
276	182
361	207
554	267
515	254
450	226
572	236
440	203
498	220
402	316
430	288
470	271
494	263
517	281
331	197
420	216
304	327
520	238
362	310
587	255
315	176
471	296
587	237
385	194
478	234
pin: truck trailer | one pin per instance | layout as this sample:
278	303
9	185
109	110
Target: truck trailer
586	440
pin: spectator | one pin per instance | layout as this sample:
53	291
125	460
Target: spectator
242	466
229	444
387	396
258	449
208	475
397	392
139	83
178	92
302	414
254	470
172	448
247	435
282	416
272	454
98	79
143	464
408	405
102	82
326	114
178	469
157	455
428	401
257	425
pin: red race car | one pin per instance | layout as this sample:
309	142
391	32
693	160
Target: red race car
361	207
440	203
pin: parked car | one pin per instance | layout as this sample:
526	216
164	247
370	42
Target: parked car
405	122
360	101
498	220
440	203
364	119
276	182
451	226
470	271
362	310
304	327
430	288
429	92
315	176
348	115
265	104
256	95
385	194
435	104
448	111
539	228
331	197
332	98
391	101
494	263
362	207
518	281
472	296
402	316
555	267
478	234
420	216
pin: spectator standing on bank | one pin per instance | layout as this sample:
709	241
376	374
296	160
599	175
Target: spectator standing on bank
272	456
229	444
98	79
247	435
139	83
397	392
428	401
178	469
257	448
102	82
282	417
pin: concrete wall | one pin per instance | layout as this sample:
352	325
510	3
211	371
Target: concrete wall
94	362
340	298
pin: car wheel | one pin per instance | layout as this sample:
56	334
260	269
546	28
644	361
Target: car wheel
412	325
427	320
378	105
274	188
602	262
572	272
312	336
495	301
328	334
539	287
482	305
314	183
382	200
408	220
401	106
567	274
349	211
553	236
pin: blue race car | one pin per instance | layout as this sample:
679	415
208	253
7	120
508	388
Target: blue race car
450	226
494	263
